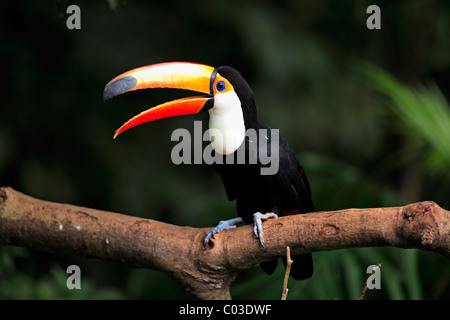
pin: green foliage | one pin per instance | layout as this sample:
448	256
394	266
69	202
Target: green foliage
425	114
49	285
342	275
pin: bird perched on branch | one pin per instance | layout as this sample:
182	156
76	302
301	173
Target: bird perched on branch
242	145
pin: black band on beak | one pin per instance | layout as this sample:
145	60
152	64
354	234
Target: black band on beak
211	81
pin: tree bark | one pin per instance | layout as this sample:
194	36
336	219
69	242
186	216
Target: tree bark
207	273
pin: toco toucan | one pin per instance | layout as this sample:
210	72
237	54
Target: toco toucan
232	112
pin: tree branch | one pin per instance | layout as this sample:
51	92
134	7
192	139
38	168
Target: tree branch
208	273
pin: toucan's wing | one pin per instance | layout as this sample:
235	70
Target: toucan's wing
293	190
290	181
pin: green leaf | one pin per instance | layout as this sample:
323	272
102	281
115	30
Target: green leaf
425	115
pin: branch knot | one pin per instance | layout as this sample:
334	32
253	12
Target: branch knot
3	195
421	224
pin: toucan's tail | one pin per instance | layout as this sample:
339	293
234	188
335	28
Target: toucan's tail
302	266
301	269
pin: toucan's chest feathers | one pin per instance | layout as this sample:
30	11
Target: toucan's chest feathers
226	123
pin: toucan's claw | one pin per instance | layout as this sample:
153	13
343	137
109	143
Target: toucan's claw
257	224
227	224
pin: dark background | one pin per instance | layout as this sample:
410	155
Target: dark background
364	140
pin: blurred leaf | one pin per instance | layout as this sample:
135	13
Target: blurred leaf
426	115
114	4
410	263
353	274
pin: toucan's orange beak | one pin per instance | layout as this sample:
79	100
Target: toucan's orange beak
179	75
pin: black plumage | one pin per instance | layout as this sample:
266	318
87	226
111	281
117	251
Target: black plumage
285	192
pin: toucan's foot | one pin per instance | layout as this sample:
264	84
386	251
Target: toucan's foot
227	224
257	224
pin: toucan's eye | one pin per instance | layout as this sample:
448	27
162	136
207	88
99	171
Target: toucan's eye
220	86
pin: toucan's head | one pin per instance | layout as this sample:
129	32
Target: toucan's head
228	98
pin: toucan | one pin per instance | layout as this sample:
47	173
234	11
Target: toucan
232	110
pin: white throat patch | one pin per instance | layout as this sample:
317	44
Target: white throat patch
226	123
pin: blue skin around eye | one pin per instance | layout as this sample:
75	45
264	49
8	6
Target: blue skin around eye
220	86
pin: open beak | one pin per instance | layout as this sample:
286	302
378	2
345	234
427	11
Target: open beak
178	75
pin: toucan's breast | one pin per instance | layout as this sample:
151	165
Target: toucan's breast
226	123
